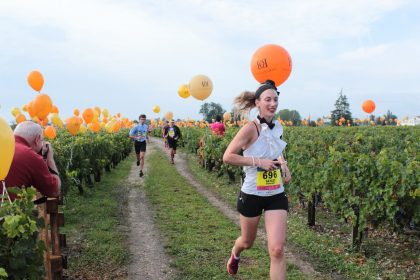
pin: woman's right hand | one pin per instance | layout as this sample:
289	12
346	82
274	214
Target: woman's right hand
267	164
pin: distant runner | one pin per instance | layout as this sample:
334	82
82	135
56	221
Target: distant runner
172	133
139	134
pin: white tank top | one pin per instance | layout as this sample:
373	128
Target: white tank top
267	146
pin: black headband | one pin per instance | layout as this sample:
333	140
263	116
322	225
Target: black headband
269	84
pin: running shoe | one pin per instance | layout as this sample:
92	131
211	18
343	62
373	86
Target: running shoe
138	163
141	173
232	265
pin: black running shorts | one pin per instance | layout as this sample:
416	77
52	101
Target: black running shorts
139	146
252	205
172	143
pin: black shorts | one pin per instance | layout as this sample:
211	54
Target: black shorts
172	143
252	205
139	146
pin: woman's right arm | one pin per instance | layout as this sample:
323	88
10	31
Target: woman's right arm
241	139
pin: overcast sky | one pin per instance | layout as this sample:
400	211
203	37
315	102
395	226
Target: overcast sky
128	55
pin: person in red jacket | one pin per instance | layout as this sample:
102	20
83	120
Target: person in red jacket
33	162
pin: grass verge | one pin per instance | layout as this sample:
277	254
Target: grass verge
326	251
198	236
94	227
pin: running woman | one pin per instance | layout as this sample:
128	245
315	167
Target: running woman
139	134
265	169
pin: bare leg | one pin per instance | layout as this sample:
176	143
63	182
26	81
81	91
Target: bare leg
142	160
249	228
276	226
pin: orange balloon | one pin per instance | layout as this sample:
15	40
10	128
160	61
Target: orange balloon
42	105
20	118
95	126
49	132
73	125
36	80
76	112
88	115
54	109
368	106
271	62
31	110
43	122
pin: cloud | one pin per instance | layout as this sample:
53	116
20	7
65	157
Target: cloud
99	50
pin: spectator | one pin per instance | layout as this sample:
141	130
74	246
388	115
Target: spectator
218	127
33	162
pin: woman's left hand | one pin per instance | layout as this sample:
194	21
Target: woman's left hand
286	172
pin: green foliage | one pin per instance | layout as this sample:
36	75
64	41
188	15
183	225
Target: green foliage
368	172
21	253
211	110
290	115
79	157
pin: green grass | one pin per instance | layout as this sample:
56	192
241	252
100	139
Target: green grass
327	252
198	237
93	224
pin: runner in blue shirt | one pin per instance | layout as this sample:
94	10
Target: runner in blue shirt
139	135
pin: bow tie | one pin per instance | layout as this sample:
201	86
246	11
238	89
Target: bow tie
262	120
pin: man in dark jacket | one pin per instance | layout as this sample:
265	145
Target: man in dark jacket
172	134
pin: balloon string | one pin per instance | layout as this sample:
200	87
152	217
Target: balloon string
71	154
4	192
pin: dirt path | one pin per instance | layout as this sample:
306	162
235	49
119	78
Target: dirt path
182	167
149	260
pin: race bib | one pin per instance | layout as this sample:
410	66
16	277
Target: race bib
141	134
171	133
268	180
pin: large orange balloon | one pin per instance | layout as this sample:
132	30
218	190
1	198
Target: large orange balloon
200	87
184	91
271	62
88	115
73	125
36	80
156	109
49	132
42	105
368	106
7	148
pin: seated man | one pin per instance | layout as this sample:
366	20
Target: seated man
33	162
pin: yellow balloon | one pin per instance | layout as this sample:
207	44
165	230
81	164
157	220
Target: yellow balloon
15	111
7	148
55	119
201	87
156	109
105	112
109	126
82	129
184	91
227	116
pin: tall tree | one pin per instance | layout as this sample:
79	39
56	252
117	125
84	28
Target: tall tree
211	110
342	110
290	115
